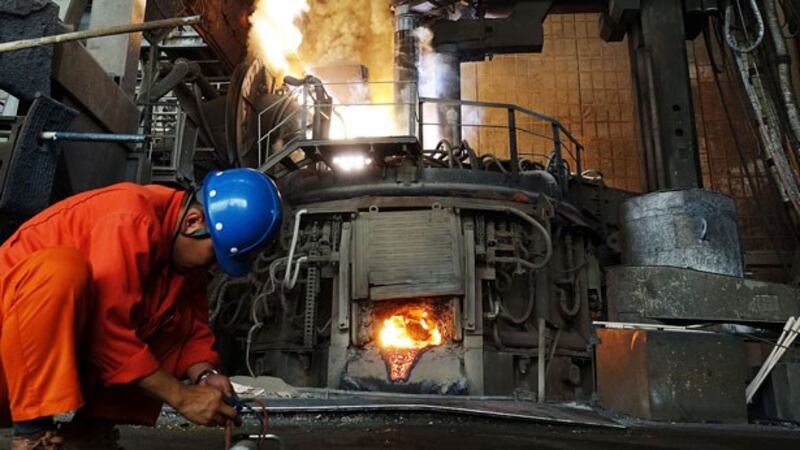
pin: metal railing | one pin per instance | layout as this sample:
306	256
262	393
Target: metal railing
562	141
312	112
563	154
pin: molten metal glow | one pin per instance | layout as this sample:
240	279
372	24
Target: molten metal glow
404	336
410	331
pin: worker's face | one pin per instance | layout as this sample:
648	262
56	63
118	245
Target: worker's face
188	253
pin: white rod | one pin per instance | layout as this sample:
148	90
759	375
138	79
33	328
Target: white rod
787	338
787	328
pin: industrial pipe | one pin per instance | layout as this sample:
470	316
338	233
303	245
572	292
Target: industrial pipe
406	55
732	43
99	32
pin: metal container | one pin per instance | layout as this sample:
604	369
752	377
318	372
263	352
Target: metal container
693	229
672	376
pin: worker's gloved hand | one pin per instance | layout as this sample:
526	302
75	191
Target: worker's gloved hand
205	405
220	382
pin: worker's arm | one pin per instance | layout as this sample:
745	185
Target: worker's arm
202	405
197	354
215	380
194	371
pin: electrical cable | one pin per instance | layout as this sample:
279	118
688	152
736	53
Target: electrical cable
754	134
506	314
264	420
494	161
287	278
732	43
754	185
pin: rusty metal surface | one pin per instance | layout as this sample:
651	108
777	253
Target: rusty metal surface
577	78
672	376
225	26
81	83
693	229
79	76
670	294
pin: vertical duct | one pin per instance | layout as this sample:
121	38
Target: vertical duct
406	57
450	116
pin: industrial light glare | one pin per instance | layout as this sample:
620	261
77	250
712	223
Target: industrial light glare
351	162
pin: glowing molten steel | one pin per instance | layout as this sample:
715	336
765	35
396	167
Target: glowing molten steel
404	336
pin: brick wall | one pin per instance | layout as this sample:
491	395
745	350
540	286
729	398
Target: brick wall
586	84
579	79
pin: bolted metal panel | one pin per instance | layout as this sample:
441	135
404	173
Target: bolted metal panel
408	254
637	294
692	229
672	376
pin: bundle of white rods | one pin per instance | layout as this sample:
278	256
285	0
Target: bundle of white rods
790	332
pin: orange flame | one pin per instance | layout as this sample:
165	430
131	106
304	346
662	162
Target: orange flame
292	37
275	36
403	337
410	331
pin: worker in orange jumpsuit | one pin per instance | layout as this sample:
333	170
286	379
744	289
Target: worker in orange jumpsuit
103	307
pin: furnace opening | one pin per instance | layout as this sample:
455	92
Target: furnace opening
404	332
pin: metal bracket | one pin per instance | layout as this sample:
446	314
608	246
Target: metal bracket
470	297
343	303
474	40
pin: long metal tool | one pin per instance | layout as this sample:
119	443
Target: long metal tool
99	32
90	137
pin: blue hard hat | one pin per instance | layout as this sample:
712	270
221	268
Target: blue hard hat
243	212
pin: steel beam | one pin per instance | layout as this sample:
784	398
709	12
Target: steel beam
663	94
669	294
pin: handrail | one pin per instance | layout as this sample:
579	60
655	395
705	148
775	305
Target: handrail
559	135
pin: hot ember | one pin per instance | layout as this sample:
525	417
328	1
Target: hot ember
404	335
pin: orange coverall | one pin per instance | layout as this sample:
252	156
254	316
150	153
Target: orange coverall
89	304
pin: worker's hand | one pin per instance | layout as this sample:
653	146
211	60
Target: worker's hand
219	382
205	405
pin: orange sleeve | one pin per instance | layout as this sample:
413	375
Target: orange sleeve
199	346
121	248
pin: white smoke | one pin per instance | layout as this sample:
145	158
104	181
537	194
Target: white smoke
436	75
439	77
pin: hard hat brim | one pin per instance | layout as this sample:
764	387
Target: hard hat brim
232	266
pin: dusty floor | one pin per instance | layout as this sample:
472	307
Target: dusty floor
441	432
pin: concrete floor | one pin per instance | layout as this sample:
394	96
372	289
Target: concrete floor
445	432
